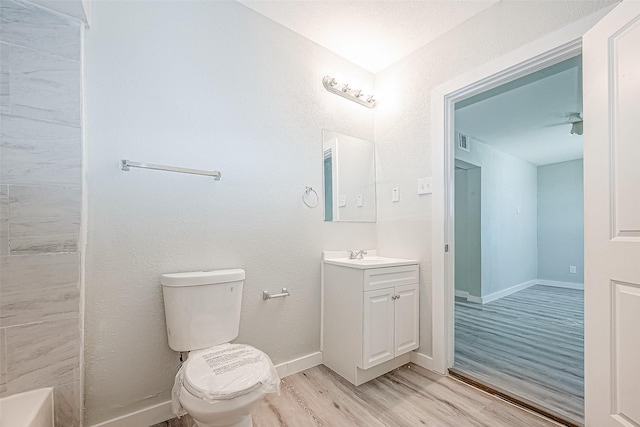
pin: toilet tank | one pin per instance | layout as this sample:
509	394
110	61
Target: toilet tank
202	308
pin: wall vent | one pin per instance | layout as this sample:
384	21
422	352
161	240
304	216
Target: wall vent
464	142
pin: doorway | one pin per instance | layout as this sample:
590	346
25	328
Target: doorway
611	389
519	311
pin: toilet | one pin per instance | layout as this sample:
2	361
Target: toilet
220	382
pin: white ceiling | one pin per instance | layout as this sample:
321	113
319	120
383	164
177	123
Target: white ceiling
524	118
372	34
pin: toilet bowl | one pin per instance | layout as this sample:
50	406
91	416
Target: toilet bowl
219	386
234	412
220	382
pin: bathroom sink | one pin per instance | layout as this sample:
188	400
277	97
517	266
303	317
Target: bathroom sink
370	262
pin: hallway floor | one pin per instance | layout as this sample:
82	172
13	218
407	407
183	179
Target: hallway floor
529	344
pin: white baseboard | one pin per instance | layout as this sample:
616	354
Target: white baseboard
422	360
144	417
557	284
300	364
503	293
462	294
468	297
162	411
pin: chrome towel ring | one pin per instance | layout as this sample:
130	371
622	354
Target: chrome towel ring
308	199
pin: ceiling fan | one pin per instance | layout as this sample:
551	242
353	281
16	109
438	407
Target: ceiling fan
575	120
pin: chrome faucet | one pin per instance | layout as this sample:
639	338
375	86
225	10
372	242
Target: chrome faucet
357	255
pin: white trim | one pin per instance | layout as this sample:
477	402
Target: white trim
505	292
549	50
468	297
422	360
144	417
517	288
555	283
462	294
300	364
162	411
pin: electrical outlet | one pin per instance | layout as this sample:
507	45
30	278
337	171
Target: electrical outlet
395	194
359	201
572	269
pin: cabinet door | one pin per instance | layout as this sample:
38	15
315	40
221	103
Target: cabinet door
377	339
406	319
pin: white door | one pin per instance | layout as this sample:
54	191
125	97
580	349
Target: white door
611	76
406	319
377	334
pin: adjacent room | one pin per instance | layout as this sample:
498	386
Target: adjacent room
519	240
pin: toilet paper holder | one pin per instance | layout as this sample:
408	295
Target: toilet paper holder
266	295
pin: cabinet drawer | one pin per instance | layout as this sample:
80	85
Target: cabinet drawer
386	277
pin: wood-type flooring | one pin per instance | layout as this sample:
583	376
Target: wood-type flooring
409	396
529	344
405	397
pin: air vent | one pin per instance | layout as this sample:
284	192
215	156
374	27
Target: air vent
463	142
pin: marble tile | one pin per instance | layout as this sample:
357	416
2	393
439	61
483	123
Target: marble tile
44	235
55	226
43	220
45	87
39	153
36	288
44	202
4	220
24	24
42	354
66	399
5	67
43	244
3	364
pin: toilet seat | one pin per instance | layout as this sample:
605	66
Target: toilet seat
226	371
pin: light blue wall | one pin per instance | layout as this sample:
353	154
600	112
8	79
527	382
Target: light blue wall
467	231
461	231
561	221
508	217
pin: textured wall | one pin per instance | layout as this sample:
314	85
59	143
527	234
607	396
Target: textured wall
561	221
210	85
40	205
508	222
403	114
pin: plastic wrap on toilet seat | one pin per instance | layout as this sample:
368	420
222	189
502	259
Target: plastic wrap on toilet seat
224	372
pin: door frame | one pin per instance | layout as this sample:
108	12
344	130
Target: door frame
551	49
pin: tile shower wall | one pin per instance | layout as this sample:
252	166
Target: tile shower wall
40	204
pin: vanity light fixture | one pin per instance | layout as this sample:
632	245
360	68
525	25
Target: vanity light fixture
345	91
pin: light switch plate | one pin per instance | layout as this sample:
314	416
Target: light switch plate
424	185
342	200
359	202
395	194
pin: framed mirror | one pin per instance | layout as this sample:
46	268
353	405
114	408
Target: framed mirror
349	189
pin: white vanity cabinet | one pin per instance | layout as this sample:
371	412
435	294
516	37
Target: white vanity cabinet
390	324
370	314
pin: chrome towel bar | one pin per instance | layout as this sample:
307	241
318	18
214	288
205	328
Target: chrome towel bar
266	295
126	164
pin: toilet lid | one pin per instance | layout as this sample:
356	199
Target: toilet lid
226	371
